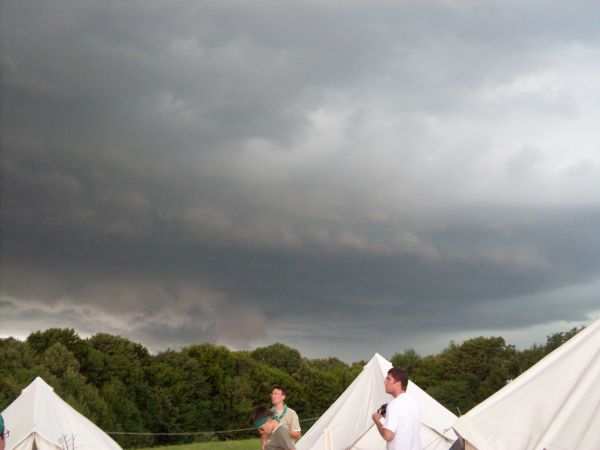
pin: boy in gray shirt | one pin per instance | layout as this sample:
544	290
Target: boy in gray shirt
277	437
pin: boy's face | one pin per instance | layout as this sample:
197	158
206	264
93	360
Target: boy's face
277	396
390	384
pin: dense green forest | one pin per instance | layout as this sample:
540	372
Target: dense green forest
122	387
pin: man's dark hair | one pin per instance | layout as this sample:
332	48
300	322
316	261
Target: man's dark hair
281	388
260	412
399	374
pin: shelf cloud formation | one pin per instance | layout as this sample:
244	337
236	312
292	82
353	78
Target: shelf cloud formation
341	177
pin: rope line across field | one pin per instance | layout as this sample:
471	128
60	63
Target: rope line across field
143	433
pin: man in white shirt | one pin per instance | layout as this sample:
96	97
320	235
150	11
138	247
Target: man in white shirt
402	429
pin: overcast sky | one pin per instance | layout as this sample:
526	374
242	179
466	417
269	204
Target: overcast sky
342	177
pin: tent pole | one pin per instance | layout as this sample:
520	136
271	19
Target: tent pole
360	437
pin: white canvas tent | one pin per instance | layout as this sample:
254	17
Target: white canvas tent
555	405
40	419
344	425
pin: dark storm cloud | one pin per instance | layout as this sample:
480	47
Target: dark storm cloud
309	173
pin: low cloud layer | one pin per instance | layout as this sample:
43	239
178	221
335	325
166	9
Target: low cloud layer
341	178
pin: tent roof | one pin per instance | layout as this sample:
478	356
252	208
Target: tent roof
40	412
345	422
555	405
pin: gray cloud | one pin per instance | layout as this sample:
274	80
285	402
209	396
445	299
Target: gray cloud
309	173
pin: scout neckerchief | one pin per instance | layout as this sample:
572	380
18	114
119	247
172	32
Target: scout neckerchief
278	417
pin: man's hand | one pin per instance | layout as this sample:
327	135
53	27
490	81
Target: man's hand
386	434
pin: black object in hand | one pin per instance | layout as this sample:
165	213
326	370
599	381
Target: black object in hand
382	409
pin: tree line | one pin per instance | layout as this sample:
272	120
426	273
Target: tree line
122	387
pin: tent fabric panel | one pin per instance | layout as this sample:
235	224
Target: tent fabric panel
19	417
433	415
25	443
432	440
553	405
30	440
85	432
43	444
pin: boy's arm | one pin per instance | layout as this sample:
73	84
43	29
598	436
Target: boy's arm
289	443
385	433
294	430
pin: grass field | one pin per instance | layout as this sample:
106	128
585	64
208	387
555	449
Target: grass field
244	444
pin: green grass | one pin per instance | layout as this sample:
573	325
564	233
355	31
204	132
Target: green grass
243	444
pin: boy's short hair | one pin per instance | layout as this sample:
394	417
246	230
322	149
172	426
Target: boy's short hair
281	388
399	374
